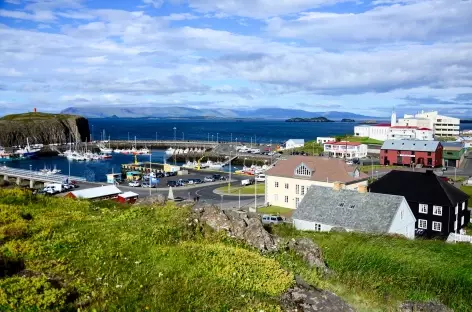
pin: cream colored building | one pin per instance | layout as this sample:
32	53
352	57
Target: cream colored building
441	125
288	181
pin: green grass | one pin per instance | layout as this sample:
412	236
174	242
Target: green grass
276	210
32	116
310	147
368	168
467	189
392	269
245	190
120	258
364	140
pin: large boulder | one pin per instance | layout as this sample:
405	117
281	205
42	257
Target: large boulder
411	306
238	224
310	252
151	200
306	298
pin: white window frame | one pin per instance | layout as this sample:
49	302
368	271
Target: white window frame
463	206
302	192
286	186
457	208
297	189
462	220
435	223
276	184
286	198
420	224
302	170
297	202
437	210
421	208
317	227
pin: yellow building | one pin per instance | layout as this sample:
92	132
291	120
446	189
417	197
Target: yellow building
288	181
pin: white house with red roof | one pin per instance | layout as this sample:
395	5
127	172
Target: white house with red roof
344	149
395	131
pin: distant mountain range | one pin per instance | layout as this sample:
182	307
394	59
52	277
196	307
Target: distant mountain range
185	112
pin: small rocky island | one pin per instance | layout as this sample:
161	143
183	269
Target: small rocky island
347	120
314	119
42	128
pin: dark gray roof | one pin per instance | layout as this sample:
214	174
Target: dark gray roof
372	212
410	145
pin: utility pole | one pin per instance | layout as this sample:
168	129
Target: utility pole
239	199
175	137
229	181
217	138
150	171
231	138
183	137
255	195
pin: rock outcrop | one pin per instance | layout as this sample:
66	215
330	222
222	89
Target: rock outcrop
306	298
411	306
42	128
310	252
241	225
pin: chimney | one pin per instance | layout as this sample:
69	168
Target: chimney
362	189
338	186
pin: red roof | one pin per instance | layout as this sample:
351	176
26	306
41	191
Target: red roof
382	125
344	143
409	127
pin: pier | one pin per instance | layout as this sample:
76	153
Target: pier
163	144
34	176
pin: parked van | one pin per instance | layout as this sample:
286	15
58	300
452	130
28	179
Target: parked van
247	182
260	178
269	219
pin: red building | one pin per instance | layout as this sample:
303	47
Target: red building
127	197
411	152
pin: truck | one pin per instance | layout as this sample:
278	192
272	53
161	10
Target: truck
53	188
247	182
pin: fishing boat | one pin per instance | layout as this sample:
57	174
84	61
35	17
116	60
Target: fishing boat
214	165
170	151
27	152
190	165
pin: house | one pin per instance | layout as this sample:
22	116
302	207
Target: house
96	193
323	140
127	197
294	143
453	154
113	178
439	207
287	182
343	149
442	126
323	209
411	152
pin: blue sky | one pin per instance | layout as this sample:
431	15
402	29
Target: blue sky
319	55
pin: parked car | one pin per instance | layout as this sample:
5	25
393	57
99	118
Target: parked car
260	178
183	182
217	177
247	182
146	184
172	183
271	219
349	162
197	181
134	184
209	179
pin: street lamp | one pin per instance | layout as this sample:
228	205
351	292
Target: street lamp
175	135
212	138
221	205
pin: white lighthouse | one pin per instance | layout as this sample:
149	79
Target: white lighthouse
393	119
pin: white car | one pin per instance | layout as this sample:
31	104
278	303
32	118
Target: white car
134	184
209	179
349	162
260	178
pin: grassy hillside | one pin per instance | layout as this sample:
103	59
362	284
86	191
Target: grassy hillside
35	116
58	254
387	269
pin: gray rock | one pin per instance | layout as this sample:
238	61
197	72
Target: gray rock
338	229
411	306
241	225
310	252
151	200
306	298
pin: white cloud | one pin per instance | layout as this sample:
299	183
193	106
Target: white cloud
260	8
13	1
76	15
419	21
38	16
155	3
180	17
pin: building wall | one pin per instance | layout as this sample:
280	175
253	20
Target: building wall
410	134
448	218
303	225
289	144
276	195
420	158
404	221
322	140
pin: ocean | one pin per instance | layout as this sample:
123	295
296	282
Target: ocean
262	131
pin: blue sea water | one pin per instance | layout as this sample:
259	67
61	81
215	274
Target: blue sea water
262	131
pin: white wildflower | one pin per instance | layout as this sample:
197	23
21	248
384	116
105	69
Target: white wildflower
119	286
137	262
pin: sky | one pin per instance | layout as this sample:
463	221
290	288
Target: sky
358	56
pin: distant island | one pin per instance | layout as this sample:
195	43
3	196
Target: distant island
369	122
347	120
314	119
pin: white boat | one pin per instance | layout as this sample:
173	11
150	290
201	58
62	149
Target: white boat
186	151
27	151
170	151
214	165
190	165
117	151
144	151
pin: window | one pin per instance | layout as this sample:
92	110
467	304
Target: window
297	189
303	190
401	215
286	186
297	201
429	153
423	208
437	210
422	224
457	208
436	226
276	184
412	153
462	220
286	199
341	205
302	170
317	227
352	206
463	206
276	197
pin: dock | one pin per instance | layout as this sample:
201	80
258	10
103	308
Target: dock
34	176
